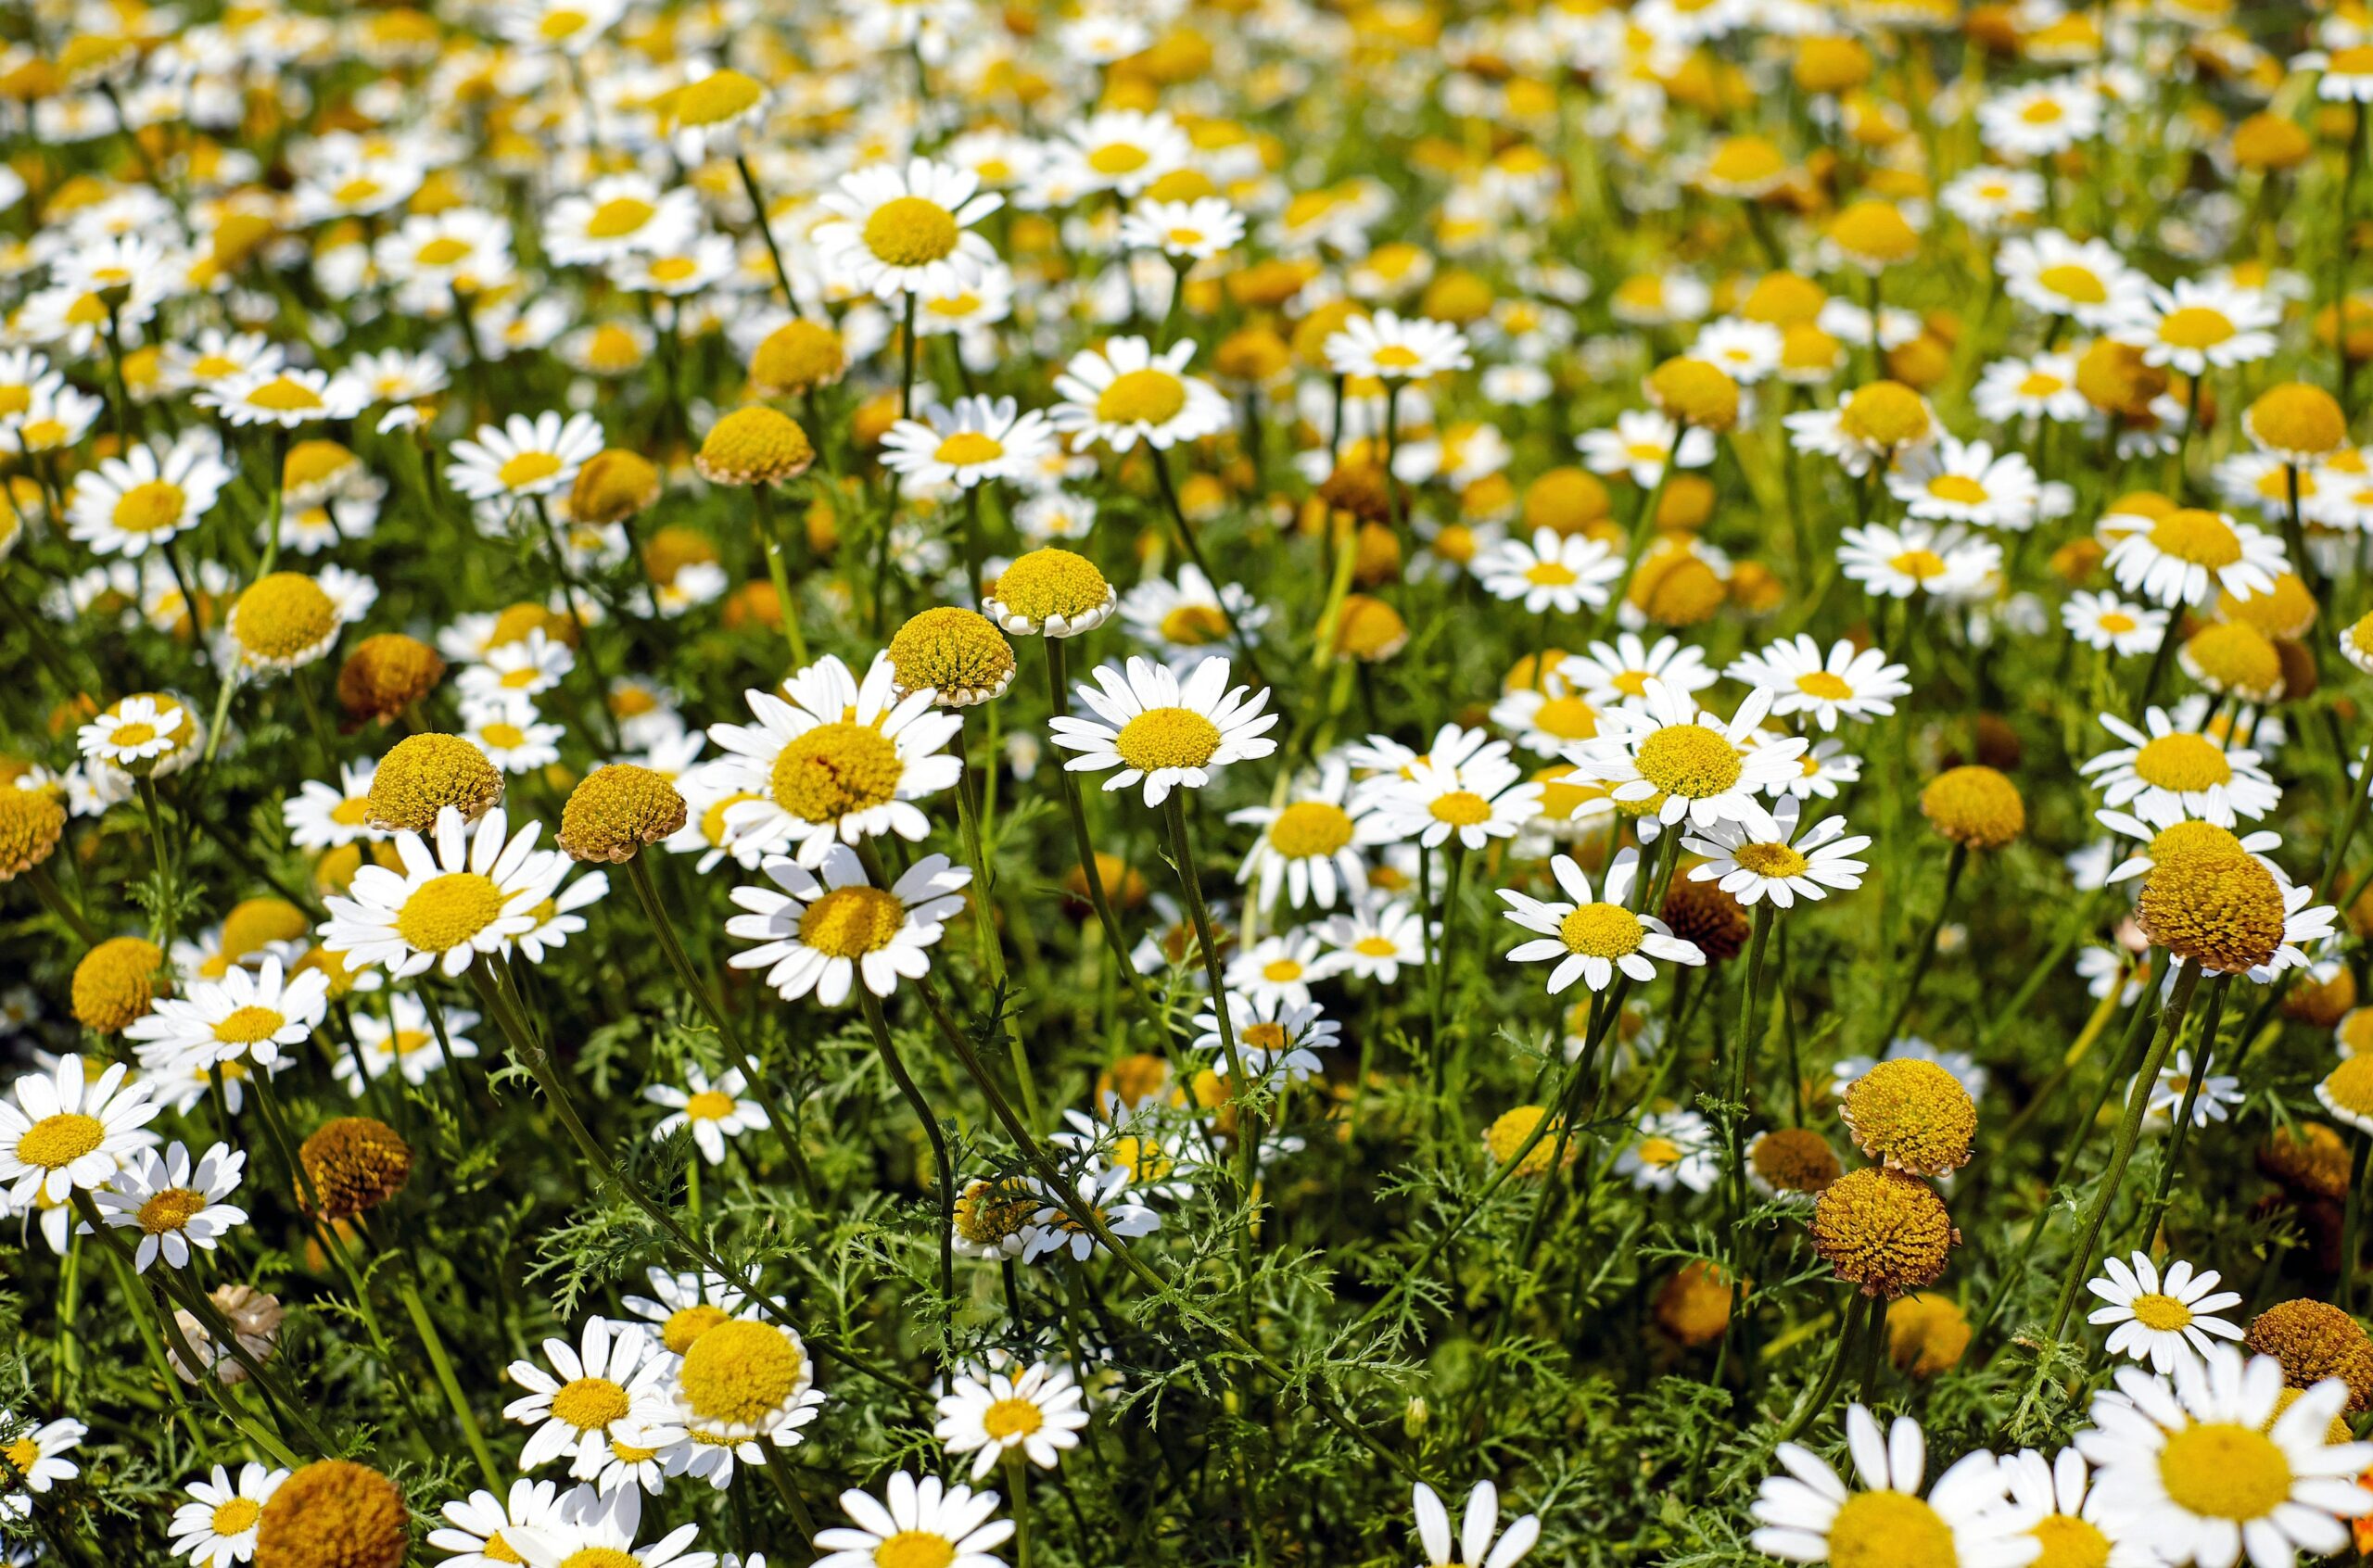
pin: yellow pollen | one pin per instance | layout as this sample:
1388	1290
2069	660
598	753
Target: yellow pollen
709	1106
247	1025
851	922
1567	717
619	217
1011	1418
1549	573
1308	829
1396	356
739	1372
1689	760
590	1404
600	1557
284	396
2116	622
910	231
128	735
1374	947
55	1142
1281	971
23	1454
2043	111
2079	285
1051	582
1919	564
235	1516
1192	625
2182	761
968	449
2041	383
2196	326
151	508
674	269
1162	738
443	251
1890	1530
1822	684
502	1550
527	468
2203	538
1602	931
1117	158
1141	397
1957	487
2223	1469
1770	860
2163	1313
447	911
1460	808
172	1209
834	770
688	1324
2070	1542
914	1549
503	735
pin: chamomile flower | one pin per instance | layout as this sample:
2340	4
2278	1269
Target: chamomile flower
2187	556
1434	798
477	1529
1552	572
1954	481
915	1521
834	762
613	1381
127	505
1782	867
1185	230
1278	1037
1642	443
821	932
2207	1465
592	1526
1057	1229
405	1042
907	230
1279	968
1395	350
286	399
2111	624
524	458
1672	1149
1185	617
217	1528
1806	1515
1592	937
978	440
1849	683
252	1015
68	1130
1669	750
2166	774
1375	939
1309	847
1037	1412
711	1110
2088	281
1920	558
1151	726
2043	387
2193	327
175	1204
2212	1099
615	216
2161	1319
37	1460
1125	393
476	891
1475	1547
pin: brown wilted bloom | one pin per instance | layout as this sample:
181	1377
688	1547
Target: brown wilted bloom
355	1163
255	1317
386	673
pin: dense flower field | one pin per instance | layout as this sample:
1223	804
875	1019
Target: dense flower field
888	784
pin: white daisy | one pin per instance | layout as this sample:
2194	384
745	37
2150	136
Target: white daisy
1125	393
1168	732
714	1111
1057	1231
126	504
1672	1149
2188	556
63	1130
614	1379
1309	847
1857	685
820	933
217	1527
1591	937
2165	774
1376	939
1554	572
2048	1501
477	1529
2111	624
1956	481
175	1205
929	1521
1782	867
907	230
524	457
1475	1547
473	894
1671	751
1960	1523
1393	349
990	1414
403	1042
978	440
246	1014
2158	1319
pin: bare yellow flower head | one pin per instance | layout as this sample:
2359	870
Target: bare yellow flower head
1053	591
385	675
355	1163
614	484
2285	613
255	924
1831	65
617	809
2234	659
284	620
1882	1232
31	821
334	1513
2220	906
1912	1116
795	357
116	982
1974	807
2296	422
1694	1304
1873	235
2315	1340
959	654
1368	629
423	774
1792	1160
1887	414
1926	1334
1695	392
1508	1131
754	445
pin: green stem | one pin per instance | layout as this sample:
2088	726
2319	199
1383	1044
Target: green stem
1927	954
946	1163
443	1365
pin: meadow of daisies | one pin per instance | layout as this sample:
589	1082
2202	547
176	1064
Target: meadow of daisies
894	784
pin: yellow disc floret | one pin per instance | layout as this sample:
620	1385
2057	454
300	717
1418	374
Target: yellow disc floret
756	445
1974	807
334	1513
423	774
1911	1115
739	1374
115	983
354	1163
615	811
958	652
1883	1231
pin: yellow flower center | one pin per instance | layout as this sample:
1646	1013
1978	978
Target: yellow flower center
235	1516
1161	738
2078	286
2223	1469
618	217
1689	760
1011	1418
2182	761
283	616
1822	684
1147	397
969	448
58	1141
1549	573
151	508
2203	539
1396	356
2196	326
1958	489
2043	111
1374	947
739	1371
600	1557
1890	1530
1117	158
851	922
1308	829
2070	1542
1886	413
1602	931
2041	383
1567	717
447	911
836	769
709	1106
172	1209
1770	860
908	230
717	97
1281	971
914	1549
284	396
590	1404
2164	1313
136	734
1460	808
673	269
1192	625
1919	564
23	1454
502	1550
527	468
686	1324
246	1026
503	735
2115	622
